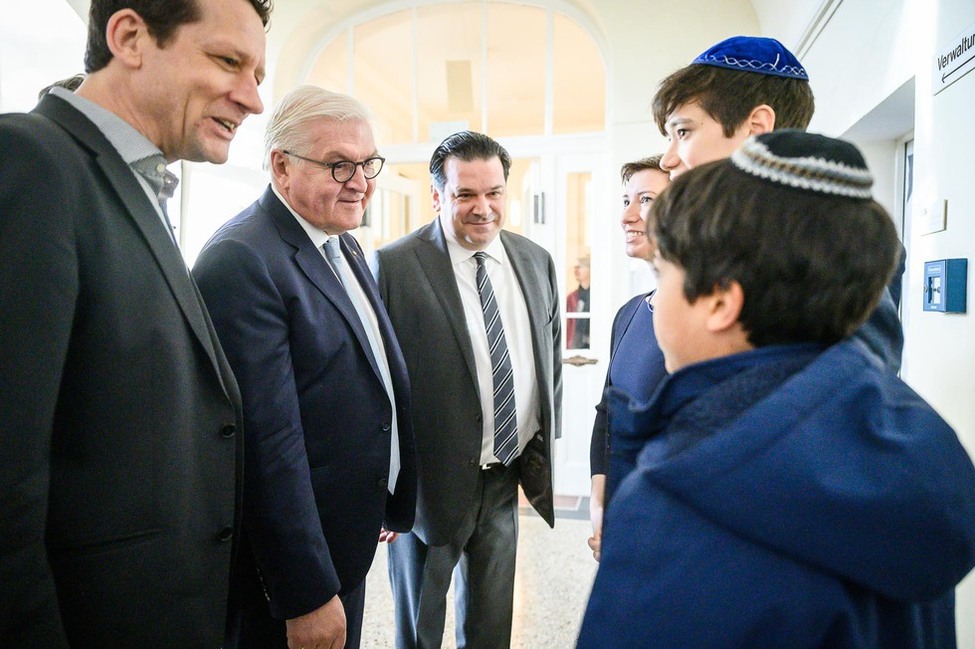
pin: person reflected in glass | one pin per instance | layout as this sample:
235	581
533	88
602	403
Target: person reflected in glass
577	329
631	367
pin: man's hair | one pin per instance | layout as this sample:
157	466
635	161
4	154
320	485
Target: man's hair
629	169
466	146
729	96
163	18
71	83
286	128
812	266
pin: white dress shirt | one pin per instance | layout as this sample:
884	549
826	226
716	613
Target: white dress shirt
517	334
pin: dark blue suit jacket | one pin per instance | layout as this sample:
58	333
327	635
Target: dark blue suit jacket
316	414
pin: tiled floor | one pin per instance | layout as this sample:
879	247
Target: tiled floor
554	573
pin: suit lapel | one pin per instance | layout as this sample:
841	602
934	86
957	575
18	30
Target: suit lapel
440	275
316	269
533	283
394	356
525	271
353	258
122	180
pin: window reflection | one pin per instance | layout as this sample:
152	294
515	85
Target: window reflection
577	308
578	296
500	66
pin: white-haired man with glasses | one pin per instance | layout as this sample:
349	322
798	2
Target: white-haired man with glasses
329	456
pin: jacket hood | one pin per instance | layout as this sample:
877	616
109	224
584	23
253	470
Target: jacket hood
841	466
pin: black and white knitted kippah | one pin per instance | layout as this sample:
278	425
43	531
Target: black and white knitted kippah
806	161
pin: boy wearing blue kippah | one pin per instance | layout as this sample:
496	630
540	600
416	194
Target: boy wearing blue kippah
742	86
793	493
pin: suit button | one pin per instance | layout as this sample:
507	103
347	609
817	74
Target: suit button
226	534
228	431
472	462
386	426
381	483
479	418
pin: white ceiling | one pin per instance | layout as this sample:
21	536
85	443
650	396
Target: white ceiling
787	21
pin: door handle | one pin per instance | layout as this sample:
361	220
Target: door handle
579	361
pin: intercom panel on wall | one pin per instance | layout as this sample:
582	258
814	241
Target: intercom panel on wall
946	285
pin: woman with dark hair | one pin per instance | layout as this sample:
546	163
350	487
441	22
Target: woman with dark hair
630	369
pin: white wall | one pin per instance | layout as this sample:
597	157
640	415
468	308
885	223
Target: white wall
31	59
646	42
852	70
940	351
867	51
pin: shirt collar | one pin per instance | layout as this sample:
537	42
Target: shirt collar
459	254
130	143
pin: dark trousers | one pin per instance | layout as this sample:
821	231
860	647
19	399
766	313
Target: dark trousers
482	558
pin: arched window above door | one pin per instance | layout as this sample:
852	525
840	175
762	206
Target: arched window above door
503	68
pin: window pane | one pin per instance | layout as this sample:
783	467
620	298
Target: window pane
329	70
384	74
580	81
516	70
519	204
449	75
577	246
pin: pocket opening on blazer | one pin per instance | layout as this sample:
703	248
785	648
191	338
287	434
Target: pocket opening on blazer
105	545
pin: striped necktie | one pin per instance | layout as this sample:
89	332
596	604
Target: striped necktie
505	416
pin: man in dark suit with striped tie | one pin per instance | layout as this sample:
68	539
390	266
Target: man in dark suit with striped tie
476	310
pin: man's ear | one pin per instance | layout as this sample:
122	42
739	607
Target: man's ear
126	35
726	304
761	120
279	168
435	198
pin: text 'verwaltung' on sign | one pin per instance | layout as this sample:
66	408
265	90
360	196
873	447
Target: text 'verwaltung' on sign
955	60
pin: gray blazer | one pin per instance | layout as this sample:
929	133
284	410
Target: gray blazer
417	285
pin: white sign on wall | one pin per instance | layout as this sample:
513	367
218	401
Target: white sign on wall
954	60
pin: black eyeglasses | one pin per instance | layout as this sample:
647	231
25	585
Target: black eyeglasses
343	170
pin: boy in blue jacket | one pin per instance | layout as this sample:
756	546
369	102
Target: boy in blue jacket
793	492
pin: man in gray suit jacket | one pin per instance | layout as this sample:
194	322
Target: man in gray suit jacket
476	311
119	415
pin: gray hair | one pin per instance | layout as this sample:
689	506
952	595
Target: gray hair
286	128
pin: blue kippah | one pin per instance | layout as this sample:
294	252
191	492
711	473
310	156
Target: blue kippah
753	54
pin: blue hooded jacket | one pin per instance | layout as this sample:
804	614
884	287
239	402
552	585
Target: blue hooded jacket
788	497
